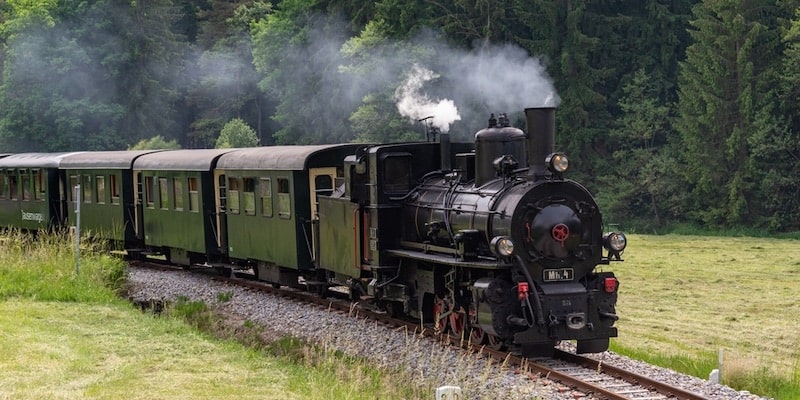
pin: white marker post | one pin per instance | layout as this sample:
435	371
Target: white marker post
77	229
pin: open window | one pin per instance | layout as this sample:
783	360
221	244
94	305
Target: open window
284	199
114	186
194	197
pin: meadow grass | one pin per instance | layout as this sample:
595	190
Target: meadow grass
683	298
70	335
66	334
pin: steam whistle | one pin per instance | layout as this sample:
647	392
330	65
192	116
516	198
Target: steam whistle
430	131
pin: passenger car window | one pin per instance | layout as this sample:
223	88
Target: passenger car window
100	189
249	196
284	199
163	193
148	191
177	193
38	185
86	188
3	184
114	189
194	204
265	188
26	185
233	195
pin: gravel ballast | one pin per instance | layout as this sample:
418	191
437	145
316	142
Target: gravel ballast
478	377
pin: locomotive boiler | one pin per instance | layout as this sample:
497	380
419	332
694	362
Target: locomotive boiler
524	242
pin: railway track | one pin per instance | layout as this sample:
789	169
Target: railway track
585	376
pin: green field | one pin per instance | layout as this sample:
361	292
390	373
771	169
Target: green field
683	298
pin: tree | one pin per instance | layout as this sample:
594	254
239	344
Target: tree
156	143
776	145
223	83
99	76
296	48
724	92
639	187
237	133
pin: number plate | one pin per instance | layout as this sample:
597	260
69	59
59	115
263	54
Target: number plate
557	275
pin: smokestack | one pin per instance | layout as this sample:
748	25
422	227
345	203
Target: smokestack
444	151
541	137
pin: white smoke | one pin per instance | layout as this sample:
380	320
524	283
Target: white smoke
414	104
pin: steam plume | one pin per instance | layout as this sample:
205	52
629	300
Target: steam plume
416	105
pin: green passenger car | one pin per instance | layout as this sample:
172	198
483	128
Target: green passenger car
269	195
176	209
32	191
107	206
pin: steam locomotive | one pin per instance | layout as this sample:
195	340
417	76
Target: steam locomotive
487	239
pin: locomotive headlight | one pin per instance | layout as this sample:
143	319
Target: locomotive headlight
502	246
615	242
557	162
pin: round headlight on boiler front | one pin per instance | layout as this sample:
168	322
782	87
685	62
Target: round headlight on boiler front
615	241
557	162
502	246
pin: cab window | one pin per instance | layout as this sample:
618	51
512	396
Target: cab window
397	174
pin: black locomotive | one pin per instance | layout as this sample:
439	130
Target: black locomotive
486	239
493	242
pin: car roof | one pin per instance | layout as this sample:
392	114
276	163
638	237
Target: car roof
103	159
180	160
285	157
34	160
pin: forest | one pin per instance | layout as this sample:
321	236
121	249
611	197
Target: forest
673	112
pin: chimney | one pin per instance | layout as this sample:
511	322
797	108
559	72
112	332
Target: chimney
541	137
444	151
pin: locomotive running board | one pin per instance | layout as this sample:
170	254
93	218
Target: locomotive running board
447	260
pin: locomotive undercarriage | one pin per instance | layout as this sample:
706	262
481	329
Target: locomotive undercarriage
487	306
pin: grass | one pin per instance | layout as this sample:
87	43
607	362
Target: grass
683	298
68	335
